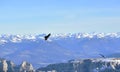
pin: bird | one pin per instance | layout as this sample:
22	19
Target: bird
47	36
102	55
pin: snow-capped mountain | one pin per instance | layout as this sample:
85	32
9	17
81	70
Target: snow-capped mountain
59	47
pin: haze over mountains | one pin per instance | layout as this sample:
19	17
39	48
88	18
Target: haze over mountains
59	47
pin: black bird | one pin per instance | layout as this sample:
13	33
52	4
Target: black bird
102	55
47	36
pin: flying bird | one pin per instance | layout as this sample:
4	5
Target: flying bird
102	55
47	36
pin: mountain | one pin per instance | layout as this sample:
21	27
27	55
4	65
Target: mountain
75	65
58	48
9	66
85	65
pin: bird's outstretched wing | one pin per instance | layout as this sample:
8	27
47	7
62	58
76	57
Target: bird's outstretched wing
47	36
102	55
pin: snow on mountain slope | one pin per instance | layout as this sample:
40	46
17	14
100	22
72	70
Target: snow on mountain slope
59	48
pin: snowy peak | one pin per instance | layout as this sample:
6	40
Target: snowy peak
18	38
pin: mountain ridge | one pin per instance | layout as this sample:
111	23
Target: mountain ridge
58	48
18	37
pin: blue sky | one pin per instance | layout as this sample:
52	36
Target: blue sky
59	16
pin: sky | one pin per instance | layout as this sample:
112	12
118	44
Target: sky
59	16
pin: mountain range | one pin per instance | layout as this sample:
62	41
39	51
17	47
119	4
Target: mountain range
58	48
